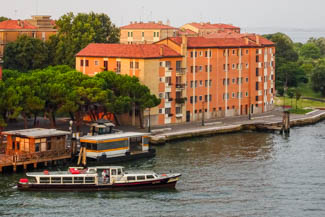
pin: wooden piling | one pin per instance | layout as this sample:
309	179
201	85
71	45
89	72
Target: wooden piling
25	166
35	165
14	168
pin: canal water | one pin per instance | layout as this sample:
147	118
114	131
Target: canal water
243	174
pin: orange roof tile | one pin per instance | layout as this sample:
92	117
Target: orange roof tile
202	42
213	26
14	24
142	51
149	25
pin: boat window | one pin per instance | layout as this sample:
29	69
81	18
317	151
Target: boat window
131	178
114	172
119	171
55	180
140	177
87	145
67	180
44	180
150	177
78	180
94	147
89	180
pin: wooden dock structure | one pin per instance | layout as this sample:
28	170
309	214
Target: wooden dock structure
34	146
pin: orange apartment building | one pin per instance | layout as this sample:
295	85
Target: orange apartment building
227	76
204	29
155	65
146	33
41	27
224	75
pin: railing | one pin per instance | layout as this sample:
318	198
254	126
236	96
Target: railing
180	71
180	100
39	156
180	86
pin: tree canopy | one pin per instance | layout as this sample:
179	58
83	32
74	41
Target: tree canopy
77	31
3	18
25	54
63	90
318	77
310	50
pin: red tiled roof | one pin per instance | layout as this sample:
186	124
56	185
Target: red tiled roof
142	51
262	40
202	42
14	24
147	26
213	26
186	32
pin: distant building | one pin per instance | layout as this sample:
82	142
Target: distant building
203	29
146	33
155	65
41	27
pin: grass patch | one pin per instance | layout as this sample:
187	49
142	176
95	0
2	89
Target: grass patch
307	91
300	111
302	103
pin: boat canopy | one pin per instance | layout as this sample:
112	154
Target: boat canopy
104	137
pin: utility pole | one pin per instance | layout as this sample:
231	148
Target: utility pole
149	130
203	111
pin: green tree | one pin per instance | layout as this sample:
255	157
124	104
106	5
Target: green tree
320	42
76	32
290	74
25	54
318	77
298	96
3	18
291	94
310	50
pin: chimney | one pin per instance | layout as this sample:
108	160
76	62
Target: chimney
160	22
246	40
184	45
161	51
257	39
131	22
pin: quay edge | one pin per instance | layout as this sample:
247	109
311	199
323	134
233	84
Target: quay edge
262	126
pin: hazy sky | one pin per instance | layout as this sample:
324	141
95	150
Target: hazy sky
243	13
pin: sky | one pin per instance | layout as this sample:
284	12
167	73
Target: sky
242	13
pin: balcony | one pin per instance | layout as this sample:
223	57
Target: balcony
180	71
169	99
180	86
180	100
170	115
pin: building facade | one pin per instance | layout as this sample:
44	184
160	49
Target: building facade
146	33
227	76
155	65
207	77
41	27
204	29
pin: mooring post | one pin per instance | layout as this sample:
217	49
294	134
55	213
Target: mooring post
286	123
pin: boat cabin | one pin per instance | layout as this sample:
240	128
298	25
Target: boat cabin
112	145
101	127
35	140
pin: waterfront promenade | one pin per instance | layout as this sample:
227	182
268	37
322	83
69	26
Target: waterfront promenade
269	121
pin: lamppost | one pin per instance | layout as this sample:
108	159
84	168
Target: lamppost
149	130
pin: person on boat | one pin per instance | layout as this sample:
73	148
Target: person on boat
104	176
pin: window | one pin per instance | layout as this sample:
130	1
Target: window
200	98
233	52
150	177
37	147
131	178
87	63
246	51
233	80
178	65
246	93
119	171
113	172
256	98
233	95
257	73
257	59
208	68
246	80
78	180
168	111
55	180
81	62
157	34
118	66
200	53
142	34
201	83
89	180
141	177
68	180
246	65
200	68
44	180
48	144
208	53
256	86
178	110
96	62
233	66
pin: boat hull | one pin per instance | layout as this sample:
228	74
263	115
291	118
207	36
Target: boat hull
167	183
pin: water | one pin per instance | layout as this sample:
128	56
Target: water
244	174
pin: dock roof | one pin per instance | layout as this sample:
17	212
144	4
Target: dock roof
36	133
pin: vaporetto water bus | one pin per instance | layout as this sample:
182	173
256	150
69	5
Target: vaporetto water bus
115	147
103	178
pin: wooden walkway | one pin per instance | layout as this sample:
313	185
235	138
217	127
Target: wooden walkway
27	159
